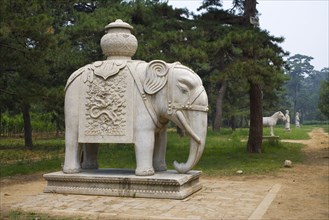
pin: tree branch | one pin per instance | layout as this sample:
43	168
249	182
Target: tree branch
13	48
7	92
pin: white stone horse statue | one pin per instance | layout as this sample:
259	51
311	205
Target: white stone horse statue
271	121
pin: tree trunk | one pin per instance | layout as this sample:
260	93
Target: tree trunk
219	107
256	119
295	98
27	126
1	127
241	122
58	125
249	10
254	144
233	123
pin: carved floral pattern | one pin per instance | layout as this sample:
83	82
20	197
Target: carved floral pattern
119	44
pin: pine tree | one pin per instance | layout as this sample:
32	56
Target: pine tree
324	97
299	67
26	37
249	56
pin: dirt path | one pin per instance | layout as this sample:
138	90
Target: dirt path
305	187
304	193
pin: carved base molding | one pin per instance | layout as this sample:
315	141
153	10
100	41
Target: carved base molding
123	182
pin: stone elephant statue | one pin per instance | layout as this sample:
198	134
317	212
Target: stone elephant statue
159	93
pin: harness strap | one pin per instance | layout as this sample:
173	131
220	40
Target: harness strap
188	105
180	106
170	89
171	105
144	96
195	95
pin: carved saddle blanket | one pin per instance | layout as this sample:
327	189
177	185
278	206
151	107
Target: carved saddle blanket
106	104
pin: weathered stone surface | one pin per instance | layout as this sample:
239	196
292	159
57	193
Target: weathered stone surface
287	121
287	163
106	103
297	120
219	198
272	139
120	100
124	182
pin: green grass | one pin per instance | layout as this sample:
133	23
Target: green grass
325	127
47	155
224	154
117	155
294	134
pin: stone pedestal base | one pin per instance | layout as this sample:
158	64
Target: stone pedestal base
272	139
123	182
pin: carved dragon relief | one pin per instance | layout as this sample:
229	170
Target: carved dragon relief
105	106
105	98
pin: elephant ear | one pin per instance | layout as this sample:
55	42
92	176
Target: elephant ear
156	76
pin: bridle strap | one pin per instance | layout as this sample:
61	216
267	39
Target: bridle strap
145	98
199	108
195	95
171	105
188	105
170	88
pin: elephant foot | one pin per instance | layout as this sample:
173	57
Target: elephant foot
89	165
161	167
143	172
71	171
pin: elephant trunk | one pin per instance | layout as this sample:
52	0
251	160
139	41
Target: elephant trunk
197	130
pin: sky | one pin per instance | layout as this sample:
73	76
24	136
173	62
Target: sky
303	24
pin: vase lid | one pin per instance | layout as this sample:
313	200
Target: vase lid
118	24
118	41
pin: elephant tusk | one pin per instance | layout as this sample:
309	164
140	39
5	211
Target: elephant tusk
187	127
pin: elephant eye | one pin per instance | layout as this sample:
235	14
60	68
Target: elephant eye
183	88
184	91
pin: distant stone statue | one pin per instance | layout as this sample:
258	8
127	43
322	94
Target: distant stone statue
272	120
297	120
287	121
120	100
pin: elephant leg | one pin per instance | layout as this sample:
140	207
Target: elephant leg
72	154
160	147
72	147
89	157
144	143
